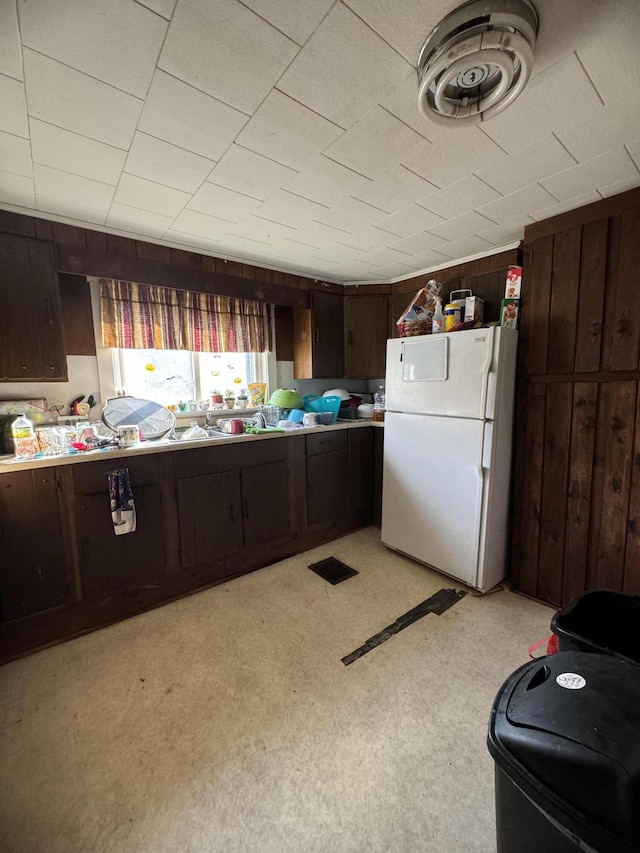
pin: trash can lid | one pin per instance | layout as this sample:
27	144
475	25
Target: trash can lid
566	730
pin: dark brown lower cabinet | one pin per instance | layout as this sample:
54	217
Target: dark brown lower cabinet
327	479
110	563
378	467
265	502
360	444
210	519
34	566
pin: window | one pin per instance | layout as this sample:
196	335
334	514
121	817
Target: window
172	376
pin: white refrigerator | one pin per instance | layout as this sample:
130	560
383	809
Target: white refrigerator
447	451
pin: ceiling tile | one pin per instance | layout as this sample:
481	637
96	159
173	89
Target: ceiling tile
618	35
69	210
201	225
471	245
407	31
409	220
620	186
137	221
338	253
17	189
318	235
250	173
384	255
61	149
368	239
524	202
601	171
10	50
606	127
403	103
161	7
500	235
527	166
180	114
395	189
242	247
166	164
351	215
462	226
634	151
117	42
426	261
223	203
285	131
344	69
418	243
225	50
376	144
558	96
15	154
460	197
67	98
394	270
288	209
138	193
83	192
455	155
326	182
262	230
13	115
181	240
354	270
564	206
293	18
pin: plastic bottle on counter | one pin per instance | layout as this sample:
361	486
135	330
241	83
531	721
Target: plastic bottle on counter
378	404
24	437
437	323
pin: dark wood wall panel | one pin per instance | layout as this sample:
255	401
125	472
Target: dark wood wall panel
577	447
591	302
583	427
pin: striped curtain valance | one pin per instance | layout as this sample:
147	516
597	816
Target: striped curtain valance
142	316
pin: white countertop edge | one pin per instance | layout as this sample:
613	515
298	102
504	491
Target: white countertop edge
9	464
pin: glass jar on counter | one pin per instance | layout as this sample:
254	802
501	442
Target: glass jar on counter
378	404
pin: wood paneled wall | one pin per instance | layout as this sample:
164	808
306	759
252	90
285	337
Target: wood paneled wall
576	522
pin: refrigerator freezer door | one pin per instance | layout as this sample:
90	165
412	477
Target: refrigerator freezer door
445	374
432	491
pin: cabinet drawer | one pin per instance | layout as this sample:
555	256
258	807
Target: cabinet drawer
90	478
326	442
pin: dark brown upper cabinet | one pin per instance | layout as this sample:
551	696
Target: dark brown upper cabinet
31	334
319	337
365	323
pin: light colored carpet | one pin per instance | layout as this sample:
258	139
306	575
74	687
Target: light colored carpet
227	722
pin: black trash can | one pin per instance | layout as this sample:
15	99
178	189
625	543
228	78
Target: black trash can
600	621
564	733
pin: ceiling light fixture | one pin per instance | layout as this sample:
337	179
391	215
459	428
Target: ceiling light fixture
476	61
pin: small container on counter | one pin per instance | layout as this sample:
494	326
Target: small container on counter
378	404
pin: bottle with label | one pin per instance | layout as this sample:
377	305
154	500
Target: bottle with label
24	437
437	323
378	404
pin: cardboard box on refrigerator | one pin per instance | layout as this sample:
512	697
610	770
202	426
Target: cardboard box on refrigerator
514	282
473	309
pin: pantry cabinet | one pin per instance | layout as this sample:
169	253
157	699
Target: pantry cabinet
366	324
31	334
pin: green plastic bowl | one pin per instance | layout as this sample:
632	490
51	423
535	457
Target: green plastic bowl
286	398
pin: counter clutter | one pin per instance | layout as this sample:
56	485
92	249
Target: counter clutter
163	445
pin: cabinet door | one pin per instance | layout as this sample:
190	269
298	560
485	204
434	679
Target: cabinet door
326	487
328	334
366	319
361	451
34	574
378	467
265	502
210	519
110	563
31	341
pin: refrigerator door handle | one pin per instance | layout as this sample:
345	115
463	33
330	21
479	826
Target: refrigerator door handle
486	446
486	374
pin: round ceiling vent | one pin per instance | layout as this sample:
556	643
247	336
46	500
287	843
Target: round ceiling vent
476	61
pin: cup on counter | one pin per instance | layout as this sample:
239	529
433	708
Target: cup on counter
128	435
237	426
309	419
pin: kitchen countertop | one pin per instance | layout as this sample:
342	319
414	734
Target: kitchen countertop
9	463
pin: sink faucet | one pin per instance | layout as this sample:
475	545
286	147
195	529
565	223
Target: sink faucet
207	420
